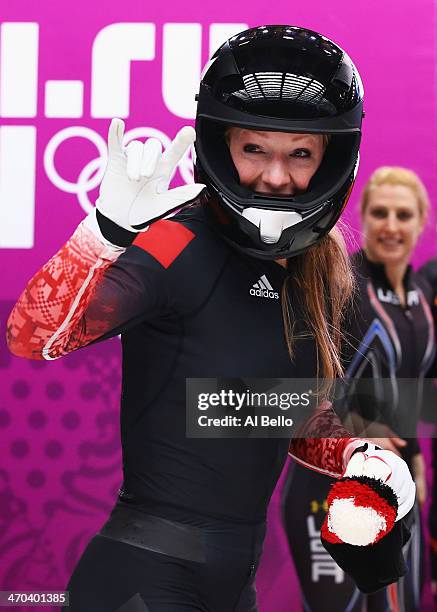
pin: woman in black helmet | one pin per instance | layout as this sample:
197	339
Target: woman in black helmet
187	530
282	79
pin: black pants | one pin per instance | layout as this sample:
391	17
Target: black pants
143	563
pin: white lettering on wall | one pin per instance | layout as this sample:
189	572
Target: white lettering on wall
182	61
17	186
181	64
18	69
113	50
64	99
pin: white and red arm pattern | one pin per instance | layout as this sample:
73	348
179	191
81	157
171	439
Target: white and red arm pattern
48	320
324	445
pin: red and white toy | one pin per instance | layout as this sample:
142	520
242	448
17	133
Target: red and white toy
375	491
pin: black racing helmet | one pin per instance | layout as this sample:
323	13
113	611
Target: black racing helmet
283	79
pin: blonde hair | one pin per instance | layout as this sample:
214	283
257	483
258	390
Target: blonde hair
395	175
323	278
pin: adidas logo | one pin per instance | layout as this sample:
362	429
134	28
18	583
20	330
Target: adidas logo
264	289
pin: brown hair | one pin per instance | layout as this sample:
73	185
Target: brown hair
395	175
323	278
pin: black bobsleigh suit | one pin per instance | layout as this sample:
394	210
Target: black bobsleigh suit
193	316
188	528
385	345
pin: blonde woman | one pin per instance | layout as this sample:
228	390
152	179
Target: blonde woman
389	341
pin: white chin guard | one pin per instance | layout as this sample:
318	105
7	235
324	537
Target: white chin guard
271	223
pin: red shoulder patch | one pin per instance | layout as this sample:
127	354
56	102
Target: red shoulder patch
164	240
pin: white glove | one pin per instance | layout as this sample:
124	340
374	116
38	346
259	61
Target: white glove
388	467
133	192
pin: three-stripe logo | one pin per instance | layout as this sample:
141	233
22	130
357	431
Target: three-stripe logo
263	288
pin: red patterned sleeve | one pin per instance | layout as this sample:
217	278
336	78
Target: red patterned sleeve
48	320
324	445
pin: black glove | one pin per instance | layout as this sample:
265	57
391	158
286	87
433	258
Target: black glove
375	566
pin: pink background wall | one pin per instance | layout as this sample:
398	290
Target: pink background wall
60	456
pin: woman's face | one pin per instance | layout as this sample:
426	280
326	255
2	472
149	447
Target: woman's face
275	163
392	223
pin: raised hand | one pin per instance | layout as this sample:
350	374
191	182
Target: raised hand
134	190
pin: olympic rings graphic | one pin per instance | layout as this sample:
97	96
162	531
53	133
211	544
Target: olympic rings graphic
92	173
